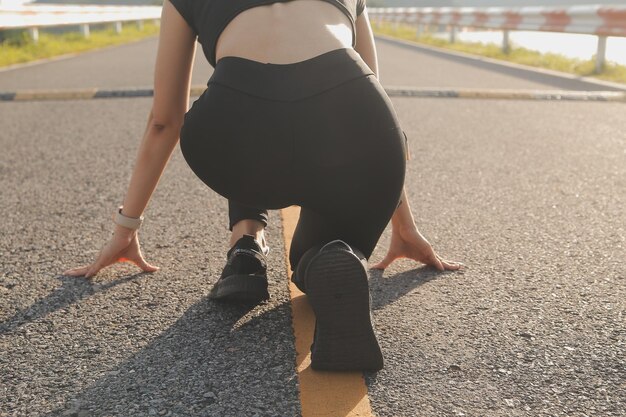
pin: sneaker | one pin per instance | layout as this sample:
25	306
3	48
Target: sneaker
297	276
337	287
244	277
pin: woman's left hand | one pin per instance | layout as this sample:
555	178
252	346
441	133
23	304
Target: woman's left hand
409	243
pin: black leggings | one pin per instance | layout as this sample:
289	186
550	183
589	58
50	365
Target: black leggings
320	133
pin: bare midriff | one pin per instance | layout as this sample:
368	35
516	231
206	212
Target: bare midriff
284	33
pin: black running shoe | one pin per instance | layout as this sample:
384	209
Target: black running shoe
244	277
337	287
297	276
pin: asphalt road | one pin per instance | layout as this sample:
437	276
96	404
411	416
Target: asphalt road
132	65
529	194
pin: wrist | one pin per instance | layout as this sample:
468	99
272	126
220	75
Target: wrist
123	220
124	232
402	222
125	227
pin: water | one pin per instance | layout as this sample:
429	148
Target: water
569	45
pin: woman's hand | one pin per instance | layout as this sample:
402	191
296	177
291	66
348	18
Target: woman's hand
409	243
123	247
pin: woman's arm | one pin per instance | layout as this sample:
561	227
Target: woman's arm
403	218
366	47
172	80
365	42
406	240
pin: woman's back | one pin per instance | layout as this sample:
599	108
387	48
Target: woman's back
285	32
271	31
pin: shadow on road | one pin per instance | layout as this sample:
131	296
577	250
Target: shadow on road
215	360
72	290
386	290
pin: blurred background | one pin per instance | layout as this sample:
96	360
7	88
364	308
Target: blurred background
370	3
567	52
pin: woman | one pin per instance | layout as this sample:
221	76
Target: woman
293	115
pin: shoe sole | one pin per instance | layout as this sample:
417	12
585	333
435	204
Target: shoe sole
241	288
338	291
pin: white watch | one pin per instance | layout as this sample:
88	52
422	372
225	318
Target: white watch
125	221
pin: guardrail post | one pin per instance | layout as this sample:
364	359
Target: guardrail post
418	30
140	24
452	34
506	42
601	54
84	29
118	27
34	34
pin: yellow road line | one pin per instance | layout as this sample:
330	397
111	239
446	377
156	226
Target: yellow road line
322	394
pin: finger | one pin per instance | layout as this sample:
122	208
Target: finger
451	265
134	255
71	271
95	266
445	262
144	265
93	269
78	271
385	262
436	262
104	259
140	261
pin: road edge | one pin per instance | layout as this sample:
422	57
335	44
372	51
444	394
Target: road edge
67	56
477	58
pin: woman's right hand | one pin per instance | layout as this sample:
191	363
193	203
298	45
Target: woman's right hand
409	243
123	247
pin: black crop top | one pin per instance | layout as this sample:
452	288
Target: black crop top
208	18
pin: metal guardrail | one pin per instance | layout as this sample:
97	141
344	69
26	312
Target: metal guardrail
602	21
33	17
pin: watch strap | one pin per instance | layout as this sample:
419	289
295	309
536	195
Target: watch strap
125	221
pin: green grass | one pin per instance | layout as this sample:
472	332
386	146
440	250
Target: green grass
17	47
612	72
